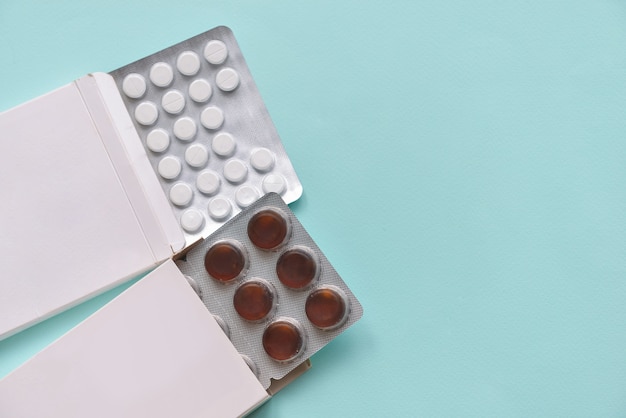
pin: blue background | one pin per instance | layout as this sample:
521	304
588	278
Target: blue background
464	168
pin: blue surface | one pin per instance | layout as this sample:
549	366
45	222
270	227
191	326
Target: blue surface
464	168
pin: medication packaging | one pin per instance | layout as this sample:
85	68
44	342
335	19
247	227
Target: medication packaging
273	300
270	287
206	130
122	172
109	176
153	351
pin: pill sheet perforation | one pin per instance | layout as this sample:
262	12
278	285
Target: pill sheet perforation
206	130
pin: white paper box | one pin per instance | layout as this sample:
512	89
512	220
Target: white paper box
82	209
154	351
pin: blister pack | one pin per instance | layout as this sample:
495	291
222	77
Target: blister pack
270	288
206	130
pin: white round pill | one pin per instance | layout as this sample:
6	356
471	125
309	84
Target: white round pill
235	171
192	220
146	113
250	364
274	183
188	63
227	79
158	140
219	208
134	85
185	129
181	194
215	52
196	155
246	195
169	167
262	159
212	117
192	282
208	182
200	90
223	144
161	74
173	102
222	325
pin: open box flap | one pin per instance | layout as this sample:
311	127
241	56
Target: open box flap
75	220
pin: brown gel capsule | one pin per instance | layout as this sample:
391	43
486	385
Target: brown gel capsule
267	229
282	340
326	308
296	268
253	300
224	261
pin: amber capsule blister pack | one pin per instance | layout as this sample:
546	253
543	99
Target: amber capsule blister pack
206	130
270	288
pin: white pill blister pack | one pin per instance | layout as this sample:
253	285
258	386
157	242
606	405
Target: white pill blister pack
270	288
206	130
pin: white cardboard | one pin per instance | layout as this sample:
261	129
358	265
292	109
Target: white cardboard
75	219
154	351
132	164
